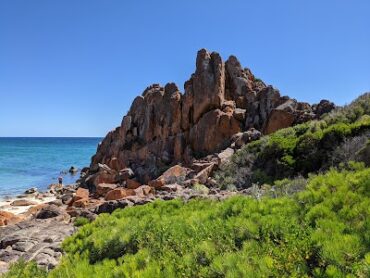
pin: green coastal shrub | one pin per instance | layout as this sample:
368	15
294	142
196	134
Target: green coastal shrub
28	270
350	113
81	221
323	231
310	147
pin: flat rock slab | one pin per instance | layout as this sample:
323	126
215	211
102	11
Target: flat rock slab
35	239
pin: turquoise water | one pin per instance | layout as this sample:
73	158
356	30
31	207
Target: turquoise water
37	162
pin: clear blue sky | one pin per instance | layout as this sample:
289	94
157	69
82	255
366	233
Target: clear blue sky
72	67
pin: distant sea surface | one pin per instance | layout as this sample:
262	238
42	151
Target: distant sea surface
37	162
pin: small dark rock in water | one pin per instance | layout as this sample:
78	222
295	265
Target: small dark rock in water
73	170
32	190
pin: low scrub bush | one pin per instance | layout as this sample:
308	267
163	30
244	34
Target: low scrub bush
22	269
323	231
80	221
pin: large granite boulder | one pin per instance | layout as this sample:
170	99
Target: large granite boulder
51	211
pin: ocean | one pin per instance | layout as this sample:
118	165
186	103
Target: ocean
37	162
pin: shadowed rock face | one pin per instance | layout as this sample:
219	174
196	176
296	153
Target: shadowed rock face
164	126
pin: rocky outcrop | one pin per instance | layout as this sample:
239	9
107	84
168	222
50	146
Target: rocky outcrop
165	127
36	239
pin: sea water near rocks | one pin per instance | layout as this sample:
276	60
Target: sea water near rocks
37	162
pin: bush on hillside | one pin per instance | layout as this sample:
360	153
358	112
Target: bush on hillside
310	147
81	221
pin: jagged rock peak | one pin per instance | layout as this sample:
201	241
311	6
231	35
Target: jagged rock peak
221	99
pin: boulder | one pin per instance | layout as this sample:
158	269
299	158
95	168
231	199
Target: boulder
99	173
81	193
6	214
22	203
31	190
278	119
119	193
103	188
242	138
203	175
7	218
171	188
67	198
125	174
200	165
323	107
73	170
35	209
56	202
110	206
50	211
261	106
144	190
81	203
225	155
100	177
132	184
157	183
174	174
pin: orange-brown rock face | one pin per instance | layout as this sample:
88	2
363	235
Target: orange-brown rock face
119	193
6	218
278	119
213	132
164	127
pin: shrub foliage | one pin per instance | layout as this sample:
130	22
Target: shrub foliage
323	231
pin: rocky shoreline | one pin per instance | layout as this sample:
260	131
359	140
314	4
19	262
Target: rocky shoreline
34	225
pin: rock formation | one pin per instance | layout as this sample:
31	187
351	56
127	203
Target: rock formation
37	239
164	127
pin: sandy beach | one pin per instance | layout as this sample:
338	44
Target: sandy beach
8	205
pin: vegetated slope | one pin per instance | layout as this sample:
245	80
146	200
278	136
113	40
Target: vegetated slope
341	136
323	231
